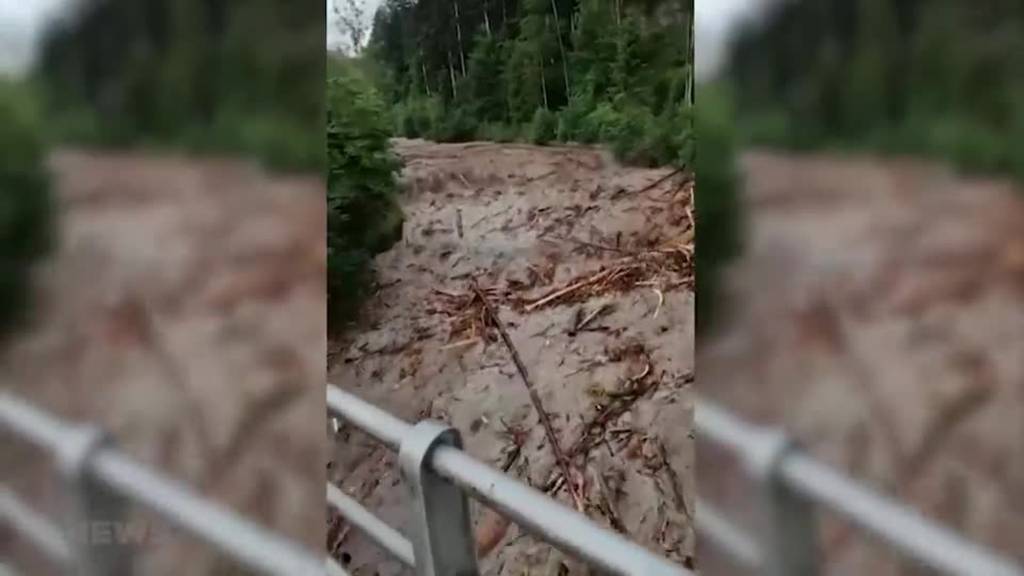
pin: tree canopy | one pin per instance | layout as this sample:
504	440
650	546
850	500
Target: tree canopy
616	71
935	76
240	75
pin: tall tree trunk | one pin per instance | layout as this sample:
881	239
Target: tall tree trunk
451	74
458	31
561	49
543	82
487	20
423	68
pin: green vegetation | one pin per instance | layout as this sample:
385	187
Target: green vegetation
935	77
205	75
618	72
718	206
363	216
26	209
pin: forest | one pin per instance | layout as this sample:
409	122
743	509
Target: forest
617	72
236	76
943	78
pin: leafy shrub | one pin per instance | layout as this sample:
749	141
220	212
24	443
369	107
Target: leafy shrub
26	206
496	132
544	126
600	125
717	198
633	137
456	126
570	119
418	117
363	215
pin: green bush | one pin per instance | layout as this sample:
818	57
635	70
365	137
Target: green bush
418	117
544	127
602	124
630	134
363	215
26	206
495	132
458	125
570	119
718	205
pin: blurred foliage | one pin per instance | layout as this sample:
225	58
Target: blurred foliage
239	76
363	215
618	72
718	202
26	205
936	77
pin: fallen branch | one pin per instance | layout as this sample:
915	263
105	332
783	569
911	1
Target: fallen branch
545	419
568	290
587	244
655	184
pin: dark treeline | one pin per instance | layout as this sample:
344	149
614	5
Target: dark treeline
942	77
235	75
612	71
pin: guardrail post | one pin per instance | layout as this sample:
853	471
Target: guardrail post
95	520
787	531
442	535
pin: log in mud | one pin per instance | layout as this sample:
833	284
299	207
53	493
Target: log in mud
589	266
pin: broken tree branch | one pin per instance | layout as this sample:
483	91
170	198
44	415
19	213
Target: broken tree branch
657	182
545	419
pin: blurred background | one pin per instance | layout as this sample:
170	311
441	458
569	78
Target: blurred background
861	178
162	251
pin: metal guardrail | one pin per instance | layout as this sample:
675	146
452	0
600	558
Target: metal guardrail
440	475
100	480
790	484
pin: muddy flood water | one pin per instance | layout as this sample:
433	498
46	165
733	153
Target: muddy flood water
183	310
878	315
590	269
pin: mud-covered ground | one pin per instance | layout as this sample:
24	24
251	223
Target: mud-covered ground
184	311
526	222
879	315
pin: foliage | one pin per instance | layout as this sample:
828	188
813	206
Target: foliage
223	75
363	215
719	217
937	77
544	126
619	72
26	206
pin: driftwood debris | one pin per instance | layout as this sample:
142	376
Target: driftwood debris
545	419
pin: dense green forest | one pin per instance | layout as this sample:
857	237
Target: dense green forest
939	77
613	71
209	75
26	209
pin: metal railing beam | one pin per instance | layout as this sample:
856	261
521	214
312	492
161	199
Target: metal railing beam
536	512
901	528
251	545
385	536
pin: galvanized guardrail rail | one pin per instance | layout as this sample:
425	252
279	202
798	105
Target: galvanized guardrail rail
440	475
99	481
791	484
